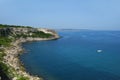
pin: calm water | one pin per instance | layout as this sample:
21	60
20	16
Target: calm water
75	56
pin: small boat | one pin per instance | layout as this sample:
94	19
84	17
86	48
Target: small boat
99	51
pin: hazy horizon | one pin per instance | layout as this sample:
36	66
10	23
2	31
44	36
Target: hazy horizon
68	14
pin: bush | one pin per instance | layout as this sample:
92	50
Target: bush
41	34
4	67
2	54
23	78
5	41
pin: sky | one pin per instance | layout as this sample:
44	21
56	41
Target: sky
62	14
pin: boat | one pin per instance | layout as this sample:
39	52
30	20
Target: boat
99	51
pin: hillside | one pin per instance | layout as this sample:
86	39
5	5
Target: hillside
11	37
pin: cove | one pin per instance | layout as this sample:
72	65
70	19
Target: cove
75	56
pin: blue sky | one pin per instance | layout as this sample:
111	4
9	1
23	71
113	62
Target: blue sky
75	14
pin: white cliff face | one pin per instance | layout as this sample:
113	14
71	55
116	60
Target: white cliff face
26	31
30	31
23	30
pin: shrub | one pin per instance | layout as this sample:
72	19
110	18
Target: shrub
23	78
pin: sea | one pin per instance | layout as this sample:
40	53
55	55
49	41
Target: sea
77	55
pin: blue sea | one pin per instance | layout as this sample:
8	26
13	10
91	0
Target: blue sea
77	55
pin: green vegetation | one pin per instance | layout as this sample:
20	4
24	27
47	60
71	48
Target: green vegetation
16	26
2	54
21	35
4	67
7	35
7	69
41	34
8	32
23	78
5	41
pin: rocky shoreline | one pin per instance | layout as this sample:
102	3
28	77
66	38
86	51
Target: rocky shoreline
12	58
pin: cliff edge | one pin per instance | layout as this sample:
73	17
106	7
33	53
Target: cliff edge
11	38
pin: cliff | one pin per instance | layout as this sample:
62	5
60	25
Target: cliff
9	33
11	38
28	32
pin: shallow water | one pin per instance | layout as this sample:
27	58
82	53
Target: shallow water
75	56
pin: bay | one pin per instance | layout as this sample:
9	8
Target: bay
77	55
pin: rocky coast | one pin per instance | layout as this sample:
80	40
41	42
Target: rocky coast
12	58
16	70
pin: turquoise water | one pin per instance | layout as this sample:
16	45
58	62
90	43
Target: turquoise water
75	56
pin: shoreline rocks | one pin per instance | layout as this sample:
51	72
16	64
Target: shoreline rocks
12	57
